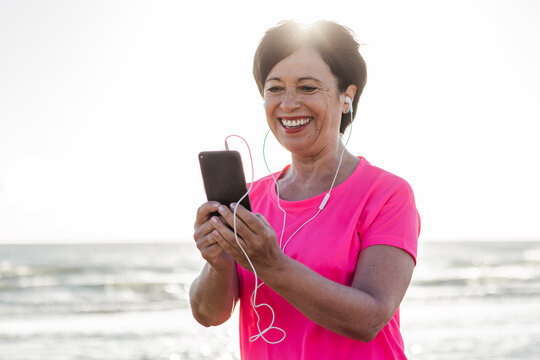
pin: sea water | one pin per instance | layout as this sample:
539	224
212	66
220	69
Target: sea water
467	300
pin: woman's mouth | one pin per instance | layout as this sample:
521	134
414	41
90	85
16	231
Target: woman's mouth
293	123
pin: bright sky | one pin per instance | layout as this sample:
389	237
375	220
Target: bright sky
104	106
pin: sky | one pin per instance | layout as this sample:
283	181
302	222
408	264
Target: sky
104	106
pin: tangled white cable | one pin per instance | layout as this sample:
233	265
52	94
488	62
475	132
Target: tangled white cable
257	285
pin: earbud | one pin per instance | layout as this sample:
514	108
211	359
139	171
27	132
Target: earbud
349	101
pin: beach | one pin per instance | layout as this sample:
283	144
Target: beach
467	300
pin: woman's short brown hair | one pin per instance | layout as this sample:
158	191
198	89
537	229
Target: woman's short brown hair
335	43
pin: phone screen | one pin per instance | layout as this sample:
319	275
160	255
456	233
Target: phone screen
223	177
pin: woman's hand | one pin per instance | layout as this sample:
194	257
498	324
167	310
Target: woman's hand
214	293
255	235
205	237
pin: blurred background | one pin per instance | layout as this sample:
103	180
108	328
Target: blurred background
104	106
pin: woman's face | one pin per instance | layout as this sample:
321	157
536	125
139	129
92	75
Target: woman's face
303	105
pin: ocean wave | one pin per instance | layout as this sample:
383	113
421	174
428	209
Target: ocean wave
532	256
118	297
70	289
119	278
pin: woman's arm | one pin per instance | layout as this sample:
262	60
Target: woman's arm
213	295
359	311
215	291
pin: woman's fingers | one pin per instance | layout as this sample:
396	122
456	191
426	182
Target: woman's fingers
255	236
263	219
224	236
255	222
242	229
208	242
204	212
207	238
201	231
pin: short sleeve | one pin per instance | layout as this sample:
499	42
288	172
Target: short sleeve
391	218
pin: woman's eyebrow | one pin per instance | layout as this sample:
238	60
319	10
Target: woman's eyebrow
275	78
309	78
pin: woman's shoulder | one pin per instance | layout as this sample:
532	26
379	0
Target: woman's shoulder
377	180
378	177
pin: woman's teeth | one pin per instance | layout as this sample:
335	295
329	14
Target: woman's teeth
295	123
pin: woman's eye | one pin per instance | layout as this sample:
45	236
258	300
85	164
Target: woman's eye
274	89
308	89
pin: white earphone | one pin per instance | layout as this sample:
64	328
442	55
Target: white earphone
349	101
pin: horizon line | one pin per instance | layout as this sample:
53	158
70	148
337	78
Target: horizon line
183	241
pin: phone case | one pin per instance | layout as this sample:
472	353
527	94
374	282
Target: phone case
223	177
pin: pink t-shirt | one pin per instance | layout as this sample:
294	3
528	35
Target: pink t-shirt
370	207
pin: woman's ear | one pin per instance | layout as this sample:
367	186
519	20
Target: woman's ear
349	93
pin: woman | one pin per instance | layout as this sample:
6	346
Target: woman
335	273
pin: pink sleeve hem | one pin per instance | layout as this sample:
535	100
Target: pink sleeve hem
398	243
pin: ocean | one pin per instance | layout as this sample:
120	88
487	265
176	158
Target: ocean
467	300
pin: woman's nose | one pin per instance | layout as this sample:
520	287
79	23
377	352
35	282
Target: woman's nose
289	101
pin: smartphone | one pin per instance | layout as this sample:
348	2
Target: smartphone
223	177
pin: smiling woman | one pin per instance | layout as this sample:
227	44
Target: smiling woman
332	284
303	109
340	57
296	103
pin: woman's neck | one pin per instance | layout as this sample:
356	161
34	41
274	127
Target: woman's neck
310	176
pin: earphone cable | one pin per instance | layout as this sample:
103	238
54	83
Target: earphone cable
321	206
257	285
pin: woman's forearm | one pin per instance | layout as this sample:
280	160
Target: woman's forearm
342	309
213	295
